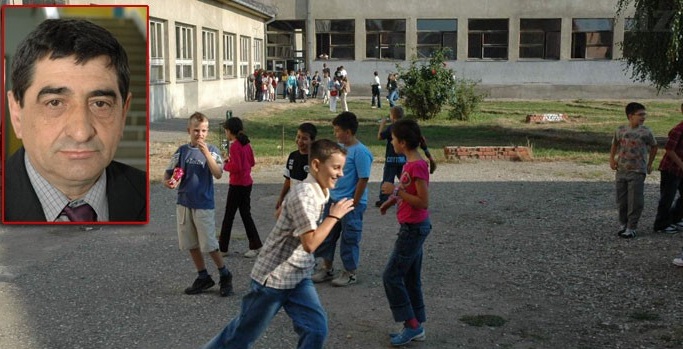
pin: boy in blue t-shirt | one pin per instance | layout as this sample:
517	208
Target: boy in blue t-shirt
352	185
199	162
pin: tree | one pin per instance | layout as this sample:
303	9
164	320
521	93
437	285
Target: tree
428	86
653	44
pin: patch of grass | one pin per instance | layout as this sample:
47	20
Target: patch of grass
644	315
483	320
496	123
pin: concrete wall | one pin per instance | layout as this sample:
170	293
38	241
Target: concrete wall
566	78
180	98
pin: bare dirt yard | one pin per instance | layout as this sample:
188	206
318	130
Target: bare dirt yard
531	245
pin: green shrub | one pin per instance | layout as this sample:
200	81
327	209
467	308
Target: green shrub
427	86
465	100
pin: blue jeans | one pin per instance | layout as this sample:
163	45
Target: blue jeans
669	185
402	275
393	97
391	171
350	229
259	307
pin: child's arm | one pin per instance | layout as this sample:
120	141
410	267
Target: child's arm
311	240
651	158
388	203
173	163
421	199
675	158
360	188
283	192
380	135
215	169
612	154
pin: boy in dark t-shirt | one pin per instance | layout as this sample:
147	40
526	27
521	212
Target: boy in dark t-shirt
296	169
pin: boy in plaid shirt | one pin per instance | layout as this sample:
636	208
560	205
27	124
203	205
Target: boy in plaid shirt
281	276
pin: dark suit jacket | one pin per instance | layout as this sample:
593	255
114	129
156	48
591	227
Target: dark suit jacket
126	193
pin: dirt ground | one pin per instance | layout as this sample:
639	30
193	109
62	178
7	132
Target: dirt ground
532	244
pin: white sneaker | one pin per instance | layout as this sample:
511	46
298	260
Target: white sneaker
252	253
679	260
344	279
323	274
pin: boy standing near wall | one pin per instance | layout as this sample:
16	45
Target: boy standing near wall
632	153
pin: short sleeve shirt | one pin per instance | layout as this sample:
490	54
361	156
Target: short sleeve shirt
358	165
674	144
412	171
633	145
283	262
196	186
297	166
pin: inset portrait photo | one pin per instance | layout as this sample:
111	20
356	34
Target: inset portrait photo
75	123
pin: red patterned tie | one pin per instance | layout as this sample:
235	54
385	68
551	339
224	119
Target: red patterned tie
83	213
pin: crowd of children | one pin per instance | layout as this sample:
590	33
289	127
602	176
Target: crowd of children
323	200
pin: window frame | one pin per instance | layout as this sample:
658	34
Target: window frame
228	63
441	33
258	53
384	36
157	50
329	40
209	58
185	46
576	34
545	46
244	56
486	34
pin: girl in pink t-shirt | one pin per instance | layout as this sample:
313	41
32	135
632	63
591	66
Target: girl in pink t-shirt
239	163
402	275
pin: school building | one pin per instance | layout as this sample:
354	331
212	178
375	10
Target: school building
201	51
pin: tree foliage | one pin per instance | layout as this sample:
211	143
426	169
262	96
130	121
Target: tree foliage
427	86
653	43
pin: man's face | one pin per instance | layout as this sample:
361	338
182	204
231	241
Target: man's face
198	131
72	119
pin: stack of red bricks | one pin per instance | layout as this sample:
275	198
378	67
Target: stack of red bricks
548	117
511	153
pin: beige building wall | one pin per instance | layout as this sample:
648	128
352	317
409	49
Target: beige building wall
173	98
566	77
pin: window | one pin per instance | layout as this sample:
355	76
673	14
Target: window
245	55
228	55
280	45
385	39
184	54
629	35
335	39
487	39
434	34
208	54
592	38
157	51
258	53
539	38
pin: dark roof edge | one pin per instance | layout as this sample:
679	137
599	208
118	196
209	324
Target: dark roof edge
255	7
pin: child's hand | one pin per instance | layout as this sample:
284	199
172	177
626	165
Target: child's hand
387	188
202	147
341	208
385	206
169	185
613	164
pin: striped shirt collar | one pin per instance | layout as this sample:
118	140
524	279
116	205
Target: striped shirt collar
53	201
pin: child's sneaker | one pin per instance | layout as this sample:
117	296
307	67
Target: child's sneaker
344	279
678	261
408	335
323	274
628	234
200	285
226	285
252	253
